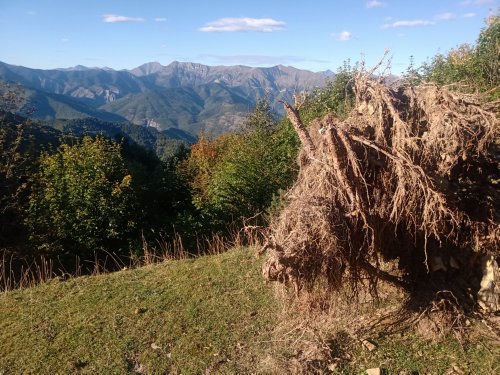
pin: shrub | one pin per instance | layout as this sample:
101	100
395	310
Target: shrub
474	68
237	175
82	199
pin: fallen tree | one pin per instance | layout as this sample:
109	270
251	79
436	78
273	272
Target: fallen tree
409	176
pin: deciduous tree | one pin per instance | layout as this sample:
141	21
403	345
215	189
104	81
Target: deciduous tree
82	200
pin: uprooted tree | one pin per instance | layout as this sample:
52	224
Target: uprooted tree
408	176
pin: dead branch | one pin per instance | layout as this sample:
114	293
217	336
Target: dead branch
299	127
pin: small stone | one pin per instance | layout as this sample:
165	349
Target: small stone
139	368
456	369
332	367
374	371
370	346
155	347
489	294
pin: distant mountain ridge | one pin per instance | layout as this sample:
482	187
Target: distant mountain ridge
182	95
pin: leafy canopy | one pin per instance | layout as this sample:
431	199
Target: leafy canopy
238	175
82	200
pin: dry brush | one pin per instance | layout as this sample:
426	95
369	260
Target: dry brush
406	176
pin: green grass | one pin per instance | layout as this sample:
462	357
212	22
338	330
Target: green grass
399	353
413	355
207	314
212	314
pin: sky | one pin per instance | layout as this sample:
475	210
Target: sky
313	35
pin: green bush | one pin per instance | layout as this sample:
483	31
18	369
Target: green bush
474	69
16	165
237	175
254	169
336	97
82	200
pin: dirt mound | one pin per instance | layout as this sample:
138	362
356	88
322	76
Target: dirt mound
410	176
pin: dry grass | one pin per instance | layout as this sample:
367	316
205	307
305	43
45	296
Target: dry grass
348	338
18	272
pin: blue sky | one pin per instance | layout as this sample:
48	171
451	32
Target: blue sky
314	35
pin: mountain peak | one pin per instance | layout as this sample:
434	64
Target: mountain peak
147	68
328	73
186	65
82	68
75	68
183	95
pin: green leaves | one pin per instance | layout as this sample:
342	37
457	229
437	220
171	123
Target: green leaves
237	175
476	68
82	200
336	97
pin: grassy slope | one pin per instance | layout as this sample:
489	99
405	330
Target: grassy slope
189	316
213	314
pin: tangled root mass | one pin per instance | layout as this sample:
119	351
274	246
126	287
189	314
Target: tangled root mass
410	173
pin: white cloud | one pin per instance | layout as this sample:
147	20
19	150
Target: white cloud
243	24
113	18
160	19
469	15
65	40
342	36
375	4
445	16
407	23
345	35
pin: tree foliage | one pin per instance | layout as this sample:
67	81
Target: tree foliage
475	68
256	167
16	165
18	157
161	196
237	175
336	97
82	201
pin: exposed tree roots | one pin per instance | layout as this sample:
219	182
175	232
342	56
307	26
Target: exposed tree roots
409	176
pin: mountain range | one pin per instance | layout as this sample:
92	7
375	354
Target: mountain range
187	96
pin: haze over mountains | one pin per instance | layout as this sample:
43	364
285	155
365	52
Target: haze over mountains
182	95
